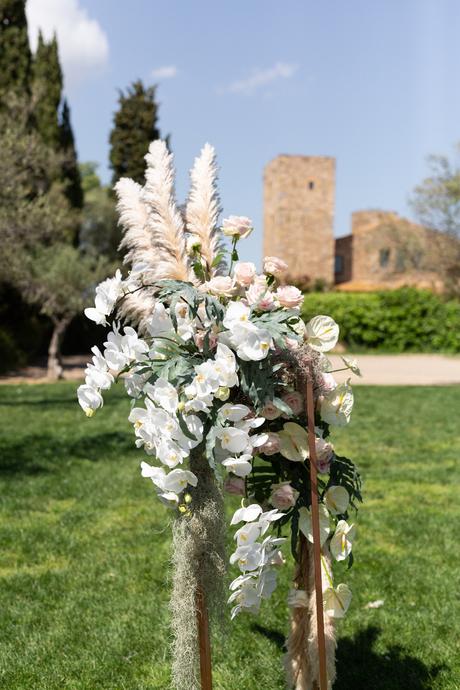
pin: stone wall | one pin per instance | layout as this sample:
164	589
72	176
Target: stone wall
389	250
299	195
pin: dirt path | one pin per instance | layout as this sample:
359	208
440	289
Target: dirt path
403	370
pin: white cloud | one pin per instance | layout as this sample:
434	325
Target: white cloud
83	44
165	72
261	77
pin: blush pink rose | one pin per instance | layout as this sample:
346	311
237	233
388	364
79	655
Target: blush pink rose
295	402
259	294
237	226
220	285
289	296
234	486
199	340
328	382
283	496
275	266
244	273
324	455
270	411
272	444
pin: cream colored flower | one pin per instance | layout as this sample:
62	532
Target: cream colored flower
337	499
337	600
352	365
323	333
337	405
294	442
305	524
342	541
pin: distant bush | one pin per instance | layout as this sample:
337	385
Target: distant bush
404	320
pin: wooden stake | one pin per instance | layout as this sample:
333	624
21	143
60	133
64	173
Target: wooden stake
316	536
203	639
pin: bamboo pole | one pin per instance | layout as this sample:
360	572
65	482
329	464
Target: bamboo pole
203	640
316	536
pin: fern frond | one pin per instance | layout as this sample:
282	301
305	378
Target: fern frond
203	208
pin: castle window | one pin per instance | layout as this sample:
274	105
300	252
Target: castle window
311	185
338	265
384	258
400	260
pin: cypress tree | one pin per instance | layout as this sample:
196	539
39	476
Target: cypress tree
70	171
47	90
135	126
15	56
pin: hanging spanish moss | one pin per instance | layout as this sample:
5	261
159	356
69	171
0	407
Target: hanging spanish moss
198	560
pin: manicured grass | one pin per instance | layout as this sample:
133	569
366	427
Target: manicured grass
85	546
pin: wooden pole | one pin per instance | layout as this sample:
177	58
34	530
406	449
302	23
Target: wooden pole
316	536
203	639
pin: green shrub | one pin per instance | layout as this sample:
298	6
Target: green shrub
404	320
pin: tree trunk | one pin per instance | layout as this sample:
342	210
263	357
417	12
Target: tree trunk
55	368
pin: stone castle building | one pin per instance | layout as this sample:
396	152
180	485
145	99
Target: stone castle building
383	250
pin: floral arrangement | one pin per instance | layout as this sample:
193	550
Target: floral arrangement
216	359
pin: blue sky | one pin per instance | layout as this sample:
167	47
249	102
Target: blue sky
374	84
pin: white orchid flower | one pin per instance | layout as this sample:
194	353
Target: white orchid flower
248	557
177	480
322	333
267	583
169	453
248	514
336	500
156	474
159	322
237	313
337	600
165	395
342	541
337	405
267	518
107	294
252	344
233	440
247	534
89	399
234	413
169	499
293	442
240	466
305	523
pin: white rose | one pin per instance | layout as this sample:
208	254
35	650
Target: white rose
275	266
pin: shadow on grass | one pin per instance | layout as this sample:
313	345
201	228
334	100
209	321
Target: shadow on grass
360	667
44	453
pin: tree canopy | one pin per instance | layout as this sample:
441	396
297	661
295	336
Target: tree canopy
135	126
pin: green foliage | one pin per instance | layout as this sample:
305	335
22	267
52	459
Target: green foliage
135	127
47	90
15	56
436	200
99	230
404	320
70	169
86	552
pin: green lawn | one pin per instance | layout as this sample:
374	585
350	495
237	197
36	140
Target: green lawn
85	548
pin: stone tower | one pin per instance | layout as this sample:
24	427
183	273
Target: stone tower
299	194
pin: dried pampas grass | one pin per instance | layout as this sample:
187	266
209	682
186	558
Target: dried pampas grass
203	208
302	660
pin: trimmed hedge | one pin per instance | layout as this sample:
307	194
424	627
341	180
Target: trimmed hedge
403	320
